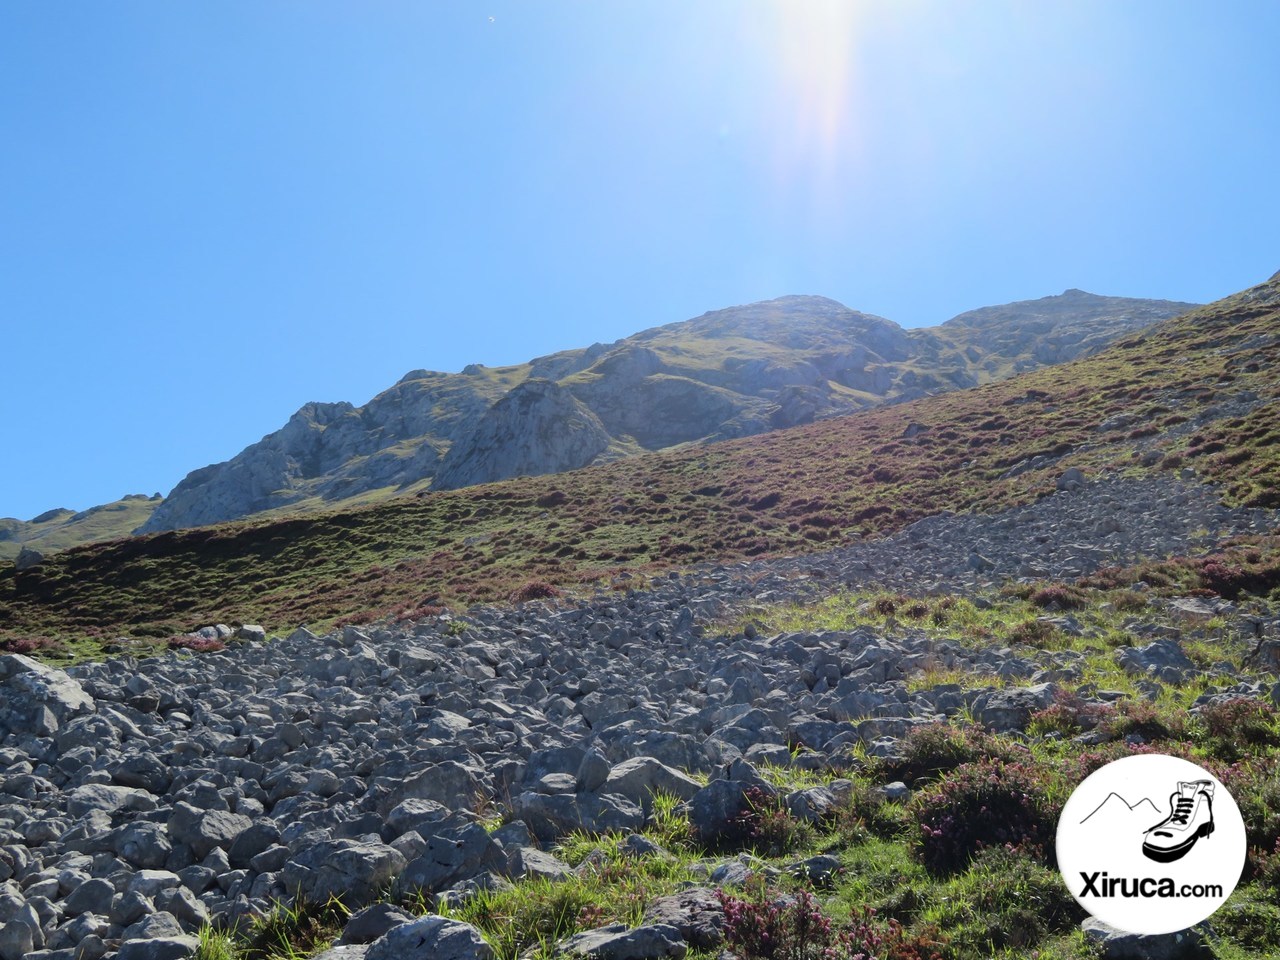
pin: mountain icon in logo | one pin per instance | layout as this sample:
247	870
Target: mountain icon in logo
1116	809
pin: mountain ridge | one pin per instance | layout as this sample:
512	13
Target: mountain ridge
728	373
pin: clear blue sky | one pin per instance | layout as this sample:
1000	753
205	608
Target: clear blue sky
211	213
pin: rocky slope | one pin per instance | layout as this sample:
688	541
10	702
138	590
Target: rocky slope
141	801
729	373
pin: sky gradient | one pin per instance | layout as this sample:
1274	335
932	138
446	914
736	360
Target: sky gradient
211	214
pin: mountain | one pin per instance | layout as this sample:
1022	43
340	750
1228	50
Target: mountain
729	373
61	528
1196	396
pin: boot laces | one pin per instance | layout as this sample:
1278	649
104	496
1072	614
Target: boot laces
1183	810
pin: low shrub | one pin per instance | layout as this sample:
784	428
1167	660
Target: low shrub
1059	719
765	824
768	925
1232	725
991	803
1256	790
1250	921
195	644
26	644
1005	901
867	812
1036	633
933	749
1061	596
533	590
1140	718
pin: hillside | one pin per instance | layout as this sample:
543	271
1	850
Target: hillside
1196	393
729	373
61	528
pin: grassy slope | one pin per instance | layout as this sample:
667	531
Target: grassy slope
67	529
787	491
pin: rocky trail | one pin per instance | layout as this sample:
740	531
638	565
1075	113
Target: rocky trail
142	800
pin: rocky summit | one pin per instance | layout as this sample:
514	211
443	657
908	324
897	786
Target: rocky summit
145	801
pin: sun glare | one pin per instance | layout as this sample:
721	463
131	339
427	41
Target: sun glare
810	51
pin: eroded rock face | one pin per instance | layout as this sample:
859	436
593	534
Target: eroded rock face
537	428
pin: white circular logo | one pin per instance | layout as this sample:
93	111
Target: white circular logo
1151	844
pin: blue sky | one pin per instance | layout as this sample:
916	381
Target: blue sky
211	214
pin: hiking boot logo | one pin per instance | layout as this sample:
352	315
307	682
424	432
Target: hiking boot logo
1190	818
1127	857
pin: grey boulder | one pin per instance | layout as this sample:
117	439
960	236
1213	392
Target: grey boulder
350	870
696	913
431	938
1118	945
616	942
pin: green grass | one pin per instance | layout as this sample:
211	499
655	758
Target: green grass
289	931
109	521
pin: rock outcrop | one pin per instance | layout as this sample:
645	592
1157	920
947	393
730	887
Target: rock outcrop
539	427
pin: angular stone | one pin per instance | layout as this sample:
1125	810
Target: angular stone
206	830
1011	708
592	772
31	685
529	862
616	942
431	938
159	948
252	841
551	817
350	870
696	913
92	896
1118	945
17	940
453	857
375	920
639	778
449	784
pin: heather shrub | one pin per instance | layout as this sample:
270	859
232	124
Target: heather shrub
767	925
1256	790
1128	601
26	644
533	590
1250	921
765	824
1037	633
1266	866
867	812
1231	725
1139	718
991	803
888	606
195	644
932	749
1059	719
1061	596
